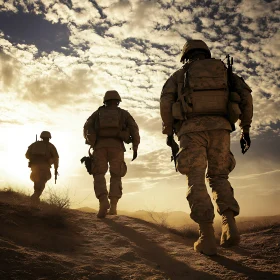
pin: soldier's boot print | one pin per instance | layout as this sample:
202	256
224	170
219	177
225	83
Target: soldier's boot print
206	243
113	206
104	205
230	235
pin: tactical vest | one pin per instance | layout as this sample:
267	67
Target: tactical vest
204	90
108	122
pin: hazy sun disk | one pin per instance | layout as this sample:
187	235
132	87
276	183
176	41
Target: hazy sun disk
14	144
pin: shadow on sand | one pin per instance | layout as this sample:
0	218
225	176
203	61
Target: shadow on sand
156	256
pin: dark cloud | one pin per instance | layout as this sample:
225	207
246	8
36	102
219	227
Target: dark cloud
68	3
34	29
98	8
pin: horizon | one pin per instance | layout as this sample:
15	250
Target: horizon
58	60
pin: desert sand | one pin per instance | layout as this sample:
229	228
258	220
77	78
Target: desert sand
48	243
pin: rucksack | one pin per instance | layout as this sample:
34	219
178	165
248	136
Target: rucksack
108	118
205	89
39	148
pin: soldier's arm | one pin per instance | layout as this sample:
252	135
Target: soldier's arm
167	98
28	153
246	104
134	131
54	156
88	130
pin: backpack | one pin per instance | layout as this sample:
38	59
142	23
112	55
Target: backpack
108	122
204	91
39	148
108	118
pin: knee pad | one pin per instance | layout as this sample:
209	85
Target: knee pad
182	163
119	170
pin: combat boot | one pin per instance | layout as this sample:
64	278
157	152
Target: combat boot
206	243
113	206
34	201
230	235
104	205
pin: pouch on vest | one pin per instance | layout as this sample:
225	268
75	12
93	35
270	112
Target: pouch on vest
207	88
177	111
125	136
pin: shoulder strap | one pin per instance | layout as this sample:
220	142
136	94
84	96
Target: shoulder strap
183	94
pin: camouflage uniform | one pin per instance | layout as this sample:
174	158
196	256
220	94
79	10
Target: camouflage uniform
110	150
205	140
40	165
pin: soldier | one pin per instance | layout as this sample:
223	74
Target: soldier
200	103
105	131
41	155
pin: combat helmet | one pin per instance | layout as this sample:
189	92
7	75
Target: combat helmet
111	94
192	45
45	134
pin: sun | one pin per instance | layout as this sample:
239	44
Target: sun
14	164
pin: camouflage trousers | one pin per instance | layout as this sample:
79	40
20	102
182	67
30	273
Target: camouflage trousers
40	174
211	150
114	157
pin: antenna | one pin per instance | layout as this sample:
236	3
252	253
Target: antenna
36	138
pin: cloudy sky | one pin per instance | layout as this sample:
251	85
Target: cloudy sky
58	58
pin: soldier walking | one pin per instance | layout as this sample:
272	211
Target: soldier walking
105	131
200	103
41	155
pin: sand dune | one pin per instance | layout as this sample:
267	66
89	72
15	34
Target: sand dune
70	244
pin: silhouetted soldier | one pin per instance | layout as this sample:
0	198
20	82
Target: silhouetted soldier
41	155
200	103
106	130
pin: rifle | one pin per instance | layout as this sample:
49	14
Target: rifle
55	176
174	148
229	77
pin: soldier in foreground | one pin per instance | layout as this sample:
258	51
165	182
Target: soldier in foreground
105	131
41	155
200	103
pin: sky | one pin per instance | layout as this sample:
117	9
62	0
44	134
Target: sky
58	58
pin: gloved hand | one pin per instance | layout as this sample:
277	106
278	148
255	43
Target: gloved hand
245	142
169	140
135	154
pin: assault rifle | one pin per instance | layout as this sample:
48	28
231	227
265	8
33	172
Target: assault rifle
229	78
174	148
55	175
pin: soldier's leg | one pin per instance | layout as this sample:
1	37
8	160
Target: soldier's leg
192	161
118	169
40	175
99	169
38	189
220	163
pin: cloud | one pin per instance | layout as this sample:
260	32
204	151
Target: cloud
133	47
258	9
